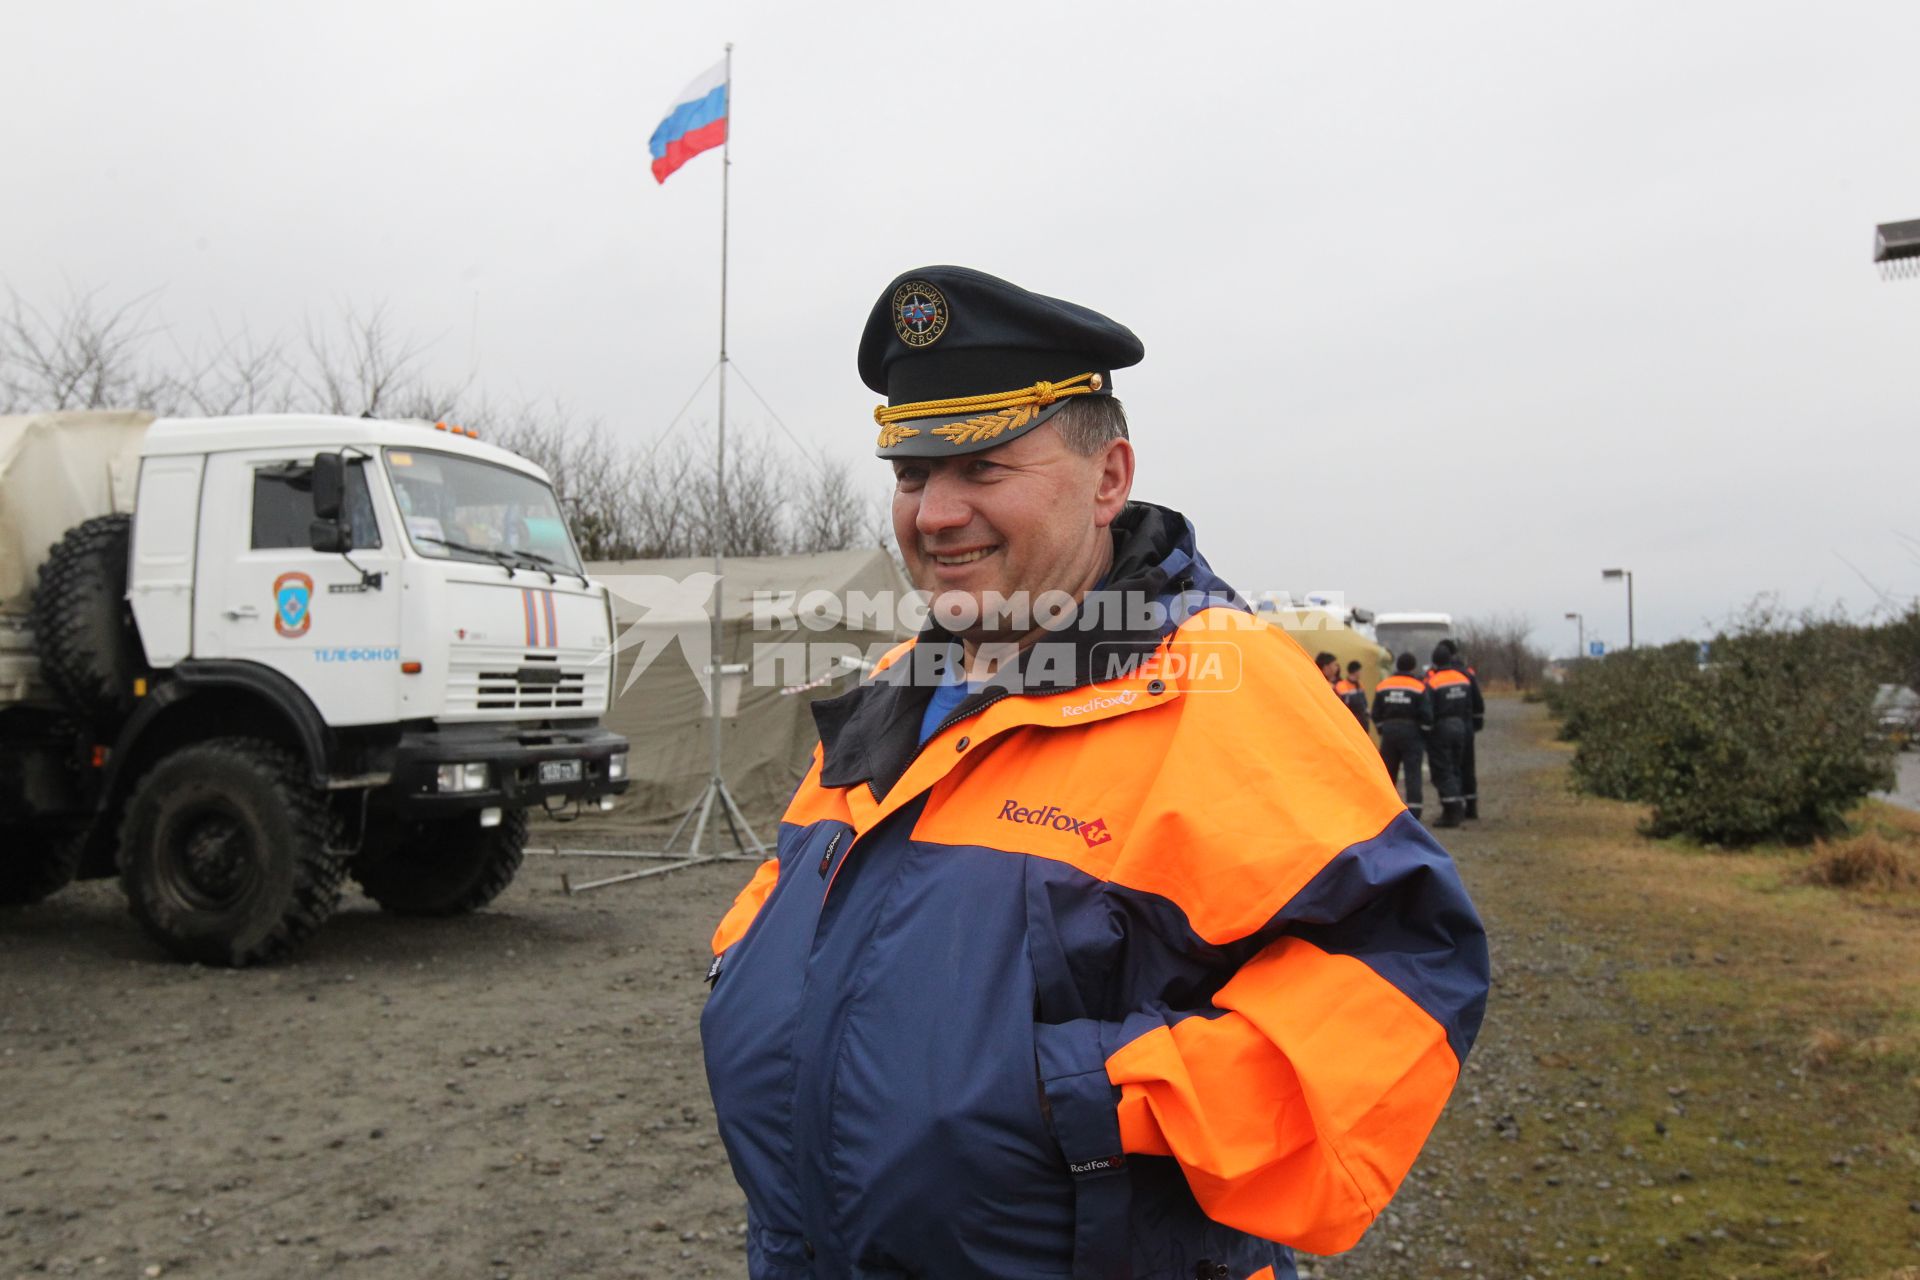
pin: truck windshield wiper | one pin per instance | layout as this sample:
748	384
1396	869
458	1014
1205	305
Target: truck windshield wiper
498	557
549	565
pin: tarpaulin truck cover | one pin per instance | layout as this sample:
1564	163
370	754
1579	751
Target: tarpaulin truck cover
56	470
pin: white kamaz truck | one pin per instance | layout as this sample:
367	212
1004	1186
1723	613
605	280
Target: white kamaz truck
243	658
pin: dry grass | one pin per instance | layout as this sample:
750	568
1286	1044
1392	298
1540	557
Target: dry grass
1720	1067
1825	1047
1749	1026
1869	861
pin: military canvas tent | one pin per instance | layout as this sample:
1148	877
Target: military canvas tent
784	619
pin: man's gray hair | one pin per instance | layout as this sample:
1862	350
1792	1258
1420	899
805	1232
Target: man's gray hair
1089	423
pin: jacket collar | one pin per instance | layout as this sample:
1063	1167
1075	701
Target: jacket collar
872	733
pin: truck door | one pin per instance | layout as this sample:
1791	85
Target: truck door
266	596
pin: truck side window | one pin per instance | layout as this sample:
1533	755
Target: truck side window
283	508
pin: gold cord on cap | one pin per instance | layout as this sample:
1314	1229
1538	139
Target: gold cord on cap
1000	411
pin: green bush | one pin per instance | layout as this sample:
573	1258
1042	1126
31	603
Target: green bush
1772	739
1623	711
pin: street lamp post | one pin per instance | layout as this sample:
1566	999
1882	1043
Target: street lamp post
1614	575
1580	629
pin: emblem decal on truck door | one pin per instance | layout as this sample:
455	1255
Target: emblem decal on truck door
292	602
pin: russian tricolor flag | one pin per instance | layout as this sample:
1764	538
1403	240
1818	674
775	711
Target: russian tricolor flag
696	122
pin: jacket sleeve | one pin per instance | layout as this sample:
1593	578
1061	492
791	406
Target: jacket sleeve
1424	700
1479	703
1295	1096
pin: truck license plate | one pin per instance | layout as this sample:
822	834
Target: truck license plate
559	771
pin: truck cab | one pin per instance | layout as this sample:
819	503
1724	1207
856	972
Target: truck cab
393	614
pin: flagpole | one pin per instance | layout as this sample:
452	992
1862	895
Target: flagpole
716	797
720	450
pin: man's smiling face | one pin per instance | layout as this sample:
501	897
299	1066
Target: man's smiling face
1027	516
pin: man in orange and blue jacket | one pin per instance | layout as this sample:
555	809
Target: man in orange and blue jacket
1348	688
1096	943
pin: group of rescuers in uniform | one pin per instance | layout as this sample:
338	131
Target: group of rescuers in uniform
1070	961
1436	714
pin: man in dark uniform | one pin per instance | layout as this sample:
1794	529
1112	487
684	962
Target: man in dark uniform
1469	775
1404	713
1347	690
1457	711
1356	694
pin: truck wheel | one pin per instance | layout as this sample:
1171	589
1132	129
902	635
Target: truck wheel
443	868
38	862
88	650
228	854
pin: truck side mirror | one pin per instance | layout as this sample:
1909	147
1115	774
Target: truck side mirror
329	486
329	535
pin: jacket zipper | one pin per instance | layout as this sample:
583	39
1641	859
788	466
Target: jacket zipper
944	725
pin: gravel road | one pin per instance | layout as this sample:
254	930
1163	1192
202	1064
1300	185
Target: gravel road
1453	1215
1906	781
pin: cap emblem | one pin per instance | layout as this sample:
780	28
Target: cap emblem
919	313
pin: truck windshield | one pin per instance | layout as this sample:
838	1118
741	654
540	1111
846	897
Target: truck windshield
463	509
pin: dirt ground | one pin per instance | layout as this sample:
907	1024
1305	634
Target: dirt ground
516	1093
520	1093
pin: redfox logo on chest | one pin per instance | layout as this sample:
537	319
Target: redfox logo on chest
1093	830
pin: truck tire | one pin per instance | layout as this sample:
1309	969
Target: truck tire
442	868
228	855
37	862
88	650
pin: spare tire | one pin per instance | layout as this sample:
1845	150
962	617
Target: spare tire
82	632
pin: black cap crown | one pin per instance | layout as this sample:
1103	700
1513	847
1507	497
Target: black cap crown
968	361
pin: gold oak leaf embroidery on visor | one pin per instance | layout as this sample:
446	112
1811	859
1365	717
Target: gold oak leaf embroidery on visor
1002	411
976	429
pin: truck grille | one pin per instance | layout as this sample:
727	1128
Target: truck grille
503	684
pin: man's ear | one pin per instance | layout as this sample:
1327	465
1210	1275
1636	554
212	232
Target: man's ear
1112	482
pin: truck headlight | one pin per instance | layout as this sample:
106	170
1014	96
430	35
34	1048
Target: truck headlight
462	777
616	766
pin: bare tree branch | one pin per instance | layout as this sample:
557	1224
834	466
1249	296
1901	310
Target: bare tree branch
622	500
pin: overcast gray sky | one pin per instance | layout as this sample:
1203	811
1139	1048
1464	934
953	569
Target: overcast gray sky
1448	306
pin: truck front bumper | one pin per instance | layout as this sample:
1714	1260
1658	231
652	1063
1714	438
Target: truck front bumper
525	767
